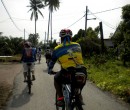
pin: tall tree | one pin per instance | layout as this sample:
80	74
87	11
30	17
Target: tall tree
53	5
35	6
121	36
33	38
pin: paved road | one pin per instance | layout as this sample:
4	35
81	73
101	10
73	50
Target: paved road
43	94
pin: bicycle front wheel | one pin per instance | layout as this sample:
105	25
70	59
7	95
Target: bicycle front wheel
29	88
29	82
59	107
77	107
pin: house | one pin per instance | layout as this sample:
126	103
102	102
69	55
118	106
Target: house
108	43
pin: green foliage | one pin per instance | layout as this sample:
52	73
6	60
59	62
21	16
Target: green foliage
121	37
53	44
53	4
78	36
89	46
35	6
33	39
111	76
10	45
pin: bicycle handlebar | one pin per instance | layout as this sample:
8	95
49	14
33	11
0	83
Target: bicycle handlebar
53	73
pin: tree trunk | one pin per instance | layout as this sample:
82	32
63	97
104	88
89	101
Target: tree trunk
48	28
51	26
35	25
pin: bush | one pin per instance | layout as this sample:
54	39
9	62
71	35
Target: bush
111	76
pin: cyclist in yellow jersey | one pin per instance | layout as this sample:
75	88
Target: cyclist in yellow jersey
68	54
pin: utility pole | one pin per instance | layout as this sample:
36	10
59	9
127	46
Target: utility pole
48	28
51	26
102	37
86	21
24	35
45	38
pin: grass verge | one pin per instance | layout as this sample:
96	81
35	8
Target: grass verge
111	76
5	91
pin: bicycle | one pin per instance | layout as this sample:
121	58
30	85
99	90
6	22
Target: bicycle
71	90
48	61
39	57
29	78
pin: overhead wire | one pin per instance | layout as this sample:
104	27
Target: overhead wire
107	24
10	16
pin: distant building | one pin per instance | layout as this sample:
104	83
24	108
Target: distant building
108	43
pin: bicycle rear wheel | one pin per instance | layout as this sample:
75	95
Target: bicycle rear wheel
77	106
39	58
29	82
58	107
29	88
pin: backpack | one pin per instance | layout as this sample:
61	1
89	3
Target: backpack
28	53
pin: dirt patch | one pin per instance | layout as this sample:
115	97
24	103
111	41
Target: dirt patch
8	71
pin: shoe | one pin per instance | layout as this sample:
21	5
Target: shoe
60	102
33	77
81	99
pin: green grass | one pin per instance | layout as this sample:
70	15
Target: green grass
15	58
111	76
5	91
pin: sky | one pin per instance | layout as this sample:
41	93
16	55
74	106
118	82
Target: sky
69	15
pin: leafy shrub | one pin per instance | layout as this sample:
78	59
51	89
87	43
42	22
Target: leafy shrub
111	76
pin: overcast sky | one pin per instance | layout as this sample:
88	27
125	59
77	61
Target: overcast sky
69	15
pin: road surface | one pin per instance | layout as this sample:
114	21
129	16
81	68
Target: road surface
43	94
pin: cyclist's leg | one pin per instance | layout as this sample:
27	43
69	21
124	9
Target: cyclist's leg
46	58
25	69
80	97
58	84
81	86
58	87
33	70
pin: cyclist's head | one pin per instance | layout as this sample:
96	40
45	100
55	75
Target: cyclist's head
65	34
27	44
22	43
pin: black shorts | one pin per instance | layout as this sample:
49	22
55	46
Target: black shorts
48	56
61	78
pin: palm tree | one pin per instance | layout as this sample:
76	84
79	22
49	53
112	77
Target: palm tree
53	5
35	6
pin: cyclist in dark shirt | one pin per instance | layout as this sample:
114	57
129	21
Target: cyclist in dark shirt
28	56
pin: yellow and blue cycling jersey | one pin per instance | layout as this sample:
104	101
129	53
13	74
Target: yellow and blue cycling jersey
68	56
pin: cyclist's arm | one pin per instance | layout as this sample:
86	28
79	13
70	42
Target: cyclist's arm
22	55
52	62
35	56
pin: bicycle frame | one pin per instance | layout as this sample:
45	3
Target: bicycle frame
66	88
39	57
48	61
70	98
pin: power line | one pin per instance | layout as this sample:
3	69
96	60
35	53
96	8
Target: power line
106	10
75	22
106	23
10	16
